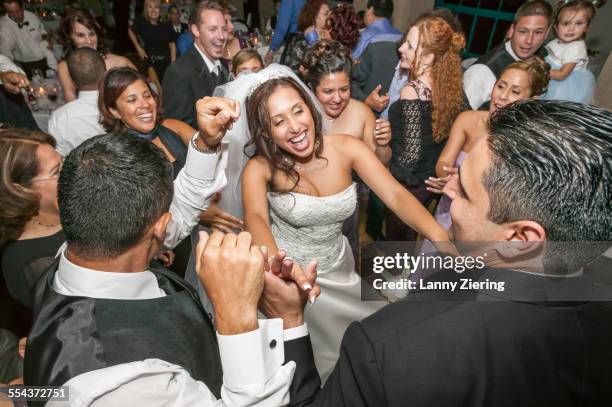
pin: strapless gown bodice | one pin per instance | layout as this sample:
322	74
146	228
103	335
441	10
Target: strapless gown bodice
309	226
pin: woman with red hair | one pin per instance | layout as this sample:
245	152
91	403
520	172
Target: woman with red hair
429	103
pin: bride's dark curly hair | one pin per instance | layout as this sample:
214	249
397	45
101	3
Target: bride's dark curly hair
258	117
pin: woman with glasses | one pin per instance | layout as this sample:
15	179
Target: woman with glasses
30	228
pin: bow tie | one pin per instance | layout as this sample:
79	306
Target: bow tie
22	24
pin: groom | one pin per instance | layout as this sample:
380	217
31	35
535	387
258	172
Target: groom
519	347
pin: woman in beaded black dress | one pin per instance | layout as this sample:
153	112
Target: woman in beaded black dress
428	105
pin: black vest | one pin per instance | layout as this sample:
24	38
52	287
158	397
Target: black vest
75	335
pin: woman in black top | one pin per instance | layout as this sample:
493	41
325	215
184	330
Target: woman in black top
128	104
422	117
30	229
158	38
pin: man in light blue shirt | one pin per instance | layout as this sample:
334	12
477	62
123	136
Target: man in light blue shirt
376	18
286	23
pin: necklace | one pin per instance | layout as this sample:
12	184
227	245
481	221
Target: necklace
317	164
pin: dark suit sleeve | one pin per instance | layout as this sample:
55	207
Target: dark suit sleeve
360	75
178	101
355	381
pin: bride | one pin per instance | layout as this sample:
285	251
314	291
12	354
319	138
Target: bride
297	190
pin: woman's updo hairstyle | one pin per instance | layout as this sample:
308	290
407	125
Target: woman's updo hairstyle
538	71
324	58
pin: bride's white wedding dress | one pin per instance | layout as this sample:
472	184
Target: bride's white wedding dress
310	227
306	226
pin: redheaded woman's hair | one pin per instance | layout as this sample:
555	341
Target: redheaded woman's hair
437	37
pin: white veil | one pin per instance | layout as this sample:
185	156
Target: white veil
239	89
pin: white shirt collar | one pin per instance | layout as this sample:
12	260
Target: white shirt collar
511	51
73	280
209	64
88	96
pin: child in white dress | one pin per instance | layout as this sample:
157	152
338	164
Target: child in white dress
567	54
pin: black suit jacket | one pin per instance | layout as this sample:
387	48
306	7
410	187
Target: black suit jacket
185	81
507	352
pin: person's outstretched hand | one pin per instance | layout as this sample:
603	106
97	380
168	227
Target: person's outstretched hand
232	271
215	116
376	101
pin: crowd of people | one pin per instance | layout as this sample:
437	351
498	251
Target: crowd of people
187	229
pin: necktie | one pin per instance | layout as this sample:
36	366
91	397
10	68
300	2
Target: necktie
216	75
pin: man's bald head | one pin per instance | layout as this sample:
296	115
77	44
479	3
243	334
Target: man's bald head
86	67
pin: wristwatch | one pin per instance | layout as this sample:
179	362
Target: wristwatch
207	149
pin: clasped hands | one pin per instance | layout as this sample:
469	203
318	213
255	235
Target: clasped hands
239	277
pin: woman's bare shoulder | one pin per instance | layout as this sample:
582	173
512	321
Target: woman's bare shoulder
114	61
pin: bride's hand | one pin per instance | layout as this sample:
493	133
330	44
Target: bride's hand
215	116
215	218
284	267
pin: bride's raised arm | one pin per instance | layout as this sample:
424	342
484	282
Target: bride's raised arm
397	198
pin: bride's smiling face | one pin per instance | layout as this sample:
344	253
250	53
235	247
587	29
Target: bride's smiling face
291	122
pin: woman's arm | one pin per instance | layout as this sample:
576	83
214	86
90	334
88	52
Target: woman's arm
141	52
456	141
255	179
70	90
172	51
563	72
391	192
184	130
376	134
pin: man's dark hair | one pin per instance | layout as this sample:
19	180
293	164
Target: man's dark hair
534	8
20	2
86	67
112	188
552	163
382	8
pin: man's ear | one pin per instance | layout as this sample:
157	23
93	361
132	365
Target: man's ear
520	240
194	30
160	226
510	32
523	231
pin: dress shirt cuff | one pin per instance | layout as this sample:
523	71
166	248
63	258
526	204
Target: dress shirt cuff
250	359
204	165
295	333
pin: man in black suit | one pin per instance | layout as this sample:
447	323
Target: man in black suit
196	73
541	177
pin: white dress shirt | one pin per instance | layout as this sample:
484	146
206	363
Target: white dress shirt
6	65
253	370
478	81
76	122
213	67
25	44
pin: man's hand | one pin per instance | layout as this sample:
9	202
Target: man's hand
13	81
287	288
232	271
214	217
377	102
215	116
382	133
